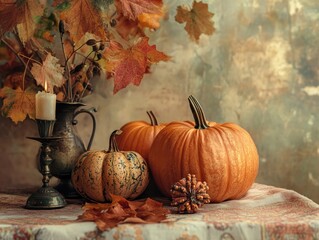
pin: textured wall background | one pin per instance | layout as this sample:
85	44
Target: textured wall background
259	69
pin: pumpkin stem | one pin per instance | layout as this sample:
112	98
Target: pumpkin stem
112	142
198	113
152	118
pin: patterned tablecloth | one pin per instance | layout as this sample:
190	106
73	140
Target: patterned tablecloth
265	212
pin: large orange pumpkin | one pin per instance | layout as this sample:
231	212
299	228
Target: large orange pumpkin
97	174
223	155
139	135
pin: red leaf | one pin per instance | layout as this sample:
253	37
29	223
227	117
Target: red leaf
128	71
130	65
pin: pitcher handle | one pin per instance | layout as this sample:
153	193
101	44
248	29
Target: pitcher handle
88	111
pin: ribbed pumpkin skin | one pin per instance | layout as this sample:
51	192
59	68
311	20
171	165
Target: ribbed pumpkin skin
223	155
138	136
98	173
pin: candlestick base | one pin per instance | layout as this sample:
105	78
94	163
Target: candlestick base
45	198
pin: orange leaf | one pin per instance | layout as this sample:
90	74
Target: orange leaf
130	65
150	20
18	104
126	27
20	14
83	17
115	211
50	71
132	9
152	211
95	206
123	211
198	20
125	203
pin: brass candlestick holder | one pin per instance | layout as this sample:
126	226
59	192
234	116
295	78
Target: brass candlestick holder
45	197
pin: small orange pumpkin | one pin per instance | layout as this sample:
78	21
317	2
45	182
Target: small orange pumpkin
139	135
223	155
97	174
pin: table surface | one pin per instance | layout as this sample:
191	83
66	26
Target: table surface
266	212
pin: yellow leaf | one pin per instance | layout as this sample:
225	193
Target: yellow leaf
18	104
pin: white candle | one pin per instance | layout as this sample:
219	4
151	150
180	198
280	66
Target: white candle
45	104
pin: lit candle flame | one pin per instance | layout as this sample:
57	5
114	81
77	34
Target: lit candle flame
45	86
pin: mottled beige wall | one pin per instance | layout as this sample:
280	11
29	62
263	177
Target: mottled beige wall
259	69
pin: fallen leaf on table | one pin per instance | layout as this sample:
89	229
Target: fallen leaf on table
151	211
198	20
121	211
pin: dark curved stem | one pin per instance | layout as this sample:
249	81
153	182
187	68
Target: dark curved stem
198	114
67	71
112	141
152	118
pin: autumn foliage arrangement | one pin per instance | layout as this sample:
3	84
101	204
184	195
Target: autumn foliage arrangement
61	45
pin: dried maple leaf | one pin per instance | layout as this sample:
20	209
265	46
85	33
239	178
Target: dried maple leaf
123	211
14	80
150	20
131	9
151	211
20	14
82	17
50	71
18	104
147	12
129	65
198	20
127	28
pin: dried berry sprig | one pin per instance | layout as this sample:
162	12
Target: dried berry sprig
188	194
78	76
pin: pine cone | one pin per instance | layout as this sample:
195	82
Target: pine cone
189	195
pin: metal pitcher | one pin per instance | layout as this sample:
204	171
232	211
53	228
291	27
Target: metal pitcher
67	150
